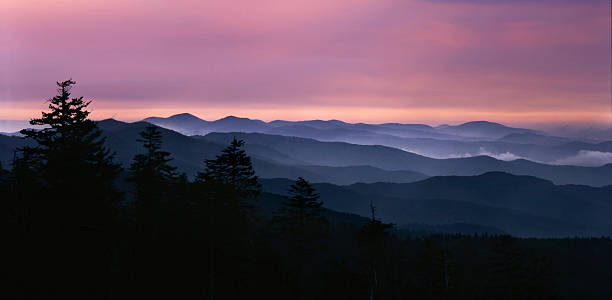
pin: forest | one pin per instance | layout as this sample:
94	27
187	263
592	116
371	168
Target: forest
80	226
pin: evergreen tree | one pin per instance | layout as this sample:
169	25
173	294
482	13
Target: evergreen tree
74	215
300	220
227	185
155	181
372	236
77	171
151	172
234	171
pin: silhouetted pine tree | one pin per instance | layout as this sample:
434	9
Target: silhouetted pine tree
154	181
77	171
372	236
234	171
75	213
151	172
228	184
300	222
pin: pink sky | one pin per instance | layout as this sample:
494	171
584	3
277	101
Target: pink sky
429	61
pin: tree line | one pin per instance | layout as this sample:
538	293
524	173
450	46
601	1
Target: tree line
83	227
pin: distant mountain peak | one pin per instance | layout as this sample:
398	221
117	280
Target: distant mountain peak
482	123
238	119
183	116
230	117
111	120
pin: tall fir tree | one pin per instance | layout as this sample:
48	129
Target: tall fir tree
301	219
76	169
151	172
154	182
227	185
234	171
74	215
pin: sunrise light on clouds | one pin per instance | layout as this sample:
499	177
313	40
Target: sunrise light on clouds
516	62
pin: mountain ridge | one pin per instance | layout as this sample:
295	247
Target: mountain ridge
445	141
573	210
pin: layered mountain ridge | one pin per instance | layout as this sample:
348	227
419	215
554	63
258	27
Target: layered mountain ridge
445	141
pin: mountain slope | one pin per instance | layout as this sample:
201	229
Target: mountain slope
482	129
445	141
442	200
339	154
576	204
291	154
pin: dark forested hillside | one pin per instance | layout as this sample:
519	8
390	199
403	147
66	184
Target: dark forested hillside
519	205
86	222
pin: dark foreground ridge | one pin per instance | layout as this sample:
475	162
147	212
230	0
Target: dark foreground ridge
82	226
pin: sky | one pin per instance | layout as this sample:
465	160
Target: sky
516	62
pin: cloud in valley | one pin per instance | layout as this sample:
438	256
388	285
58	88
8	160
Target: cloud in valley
587	158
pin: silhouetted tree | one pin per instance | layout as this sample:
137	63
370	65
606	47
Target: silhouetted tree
233	170
154	180
300	222
228	184
76	211
77	171
372	236
151	172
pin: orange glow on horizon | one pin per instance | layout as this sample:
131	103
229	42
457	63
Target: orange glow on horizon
351	114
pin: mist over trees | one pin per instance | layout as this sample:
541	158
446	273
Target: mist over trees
82	227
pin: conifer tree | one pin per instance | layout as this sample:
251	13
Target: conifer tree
227	184
73	216
151	172
372	236
234	171
76	169
300	220
154	181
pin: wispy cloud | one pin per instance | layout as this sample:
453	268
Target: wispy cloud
587	158
506	156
